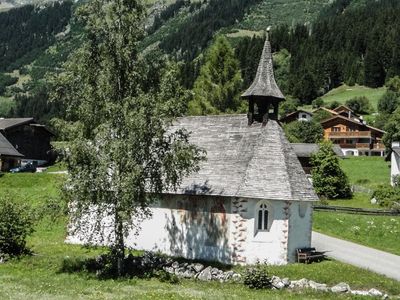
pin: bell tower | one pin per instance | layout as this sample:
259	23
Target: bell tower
264	94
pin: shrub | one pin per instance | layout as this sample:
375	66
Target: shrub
304	132
360	105
288	106
105	266
388	103
387	196
16	223
257	278
321	115
317	103
334	104
329	180
164	276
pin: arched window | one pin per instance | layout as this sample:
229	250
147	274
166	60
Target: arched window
262	217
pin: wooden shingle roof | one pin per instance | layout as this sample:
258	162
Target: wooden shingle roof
6	149
12	122
244	161
307	150
264	84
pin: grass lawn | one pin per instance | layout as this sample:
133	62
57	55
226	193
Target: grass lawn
39	276
366	171
379	232
359	200
57	167
345	92
31	188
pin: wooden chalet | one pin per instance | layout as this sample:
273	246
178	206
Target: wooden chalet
345	111
9	156
354	136
29	138
298	115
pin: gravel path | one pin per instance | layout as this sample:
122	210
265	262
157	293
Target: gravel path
357	255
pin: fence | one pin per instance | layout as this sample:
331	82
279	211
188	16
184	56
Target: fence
357	211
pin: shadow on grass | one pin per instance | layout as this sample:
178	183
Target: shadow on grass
135	264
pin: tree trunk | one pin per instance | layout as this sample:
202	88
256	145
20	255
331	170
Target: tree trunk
119	244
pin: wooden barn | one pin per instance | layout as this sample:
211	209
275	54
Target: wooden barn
29	138
9	156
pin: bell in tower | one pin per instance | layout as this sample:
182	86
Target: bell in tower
264	94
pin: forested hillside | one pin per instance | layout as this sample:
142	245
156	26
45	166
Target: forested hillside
318	44
351	44
33	41
29	30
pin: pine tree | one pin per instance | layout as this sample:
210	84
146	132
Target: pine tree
217	88
374	72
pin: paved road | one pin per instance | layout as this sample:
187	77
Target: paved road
357	255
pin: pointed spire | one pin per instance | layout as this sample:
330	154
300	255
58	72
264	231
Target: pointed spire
264	84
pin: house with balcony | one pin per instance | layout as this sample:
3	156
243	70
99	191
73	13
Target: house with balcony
354	136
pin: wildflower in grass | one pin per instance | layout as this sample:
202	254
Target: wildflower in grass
355	230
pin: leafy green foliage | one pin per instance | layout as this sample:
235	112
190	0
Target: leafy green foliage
164	276
6	80
388	196
329	180
321	115
334	104
16	224
393	84
304	132
392	128
105	266
257	278
389	102
318	103
360	105
288	106
217	88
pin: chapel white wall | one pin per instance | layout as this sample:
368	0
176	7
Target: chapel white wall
215	228
300	228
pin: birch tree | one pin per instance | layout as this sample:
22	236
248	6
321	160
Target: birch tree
122	154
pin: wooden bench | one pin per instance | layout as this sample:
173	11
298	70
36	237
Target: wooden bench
308	255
